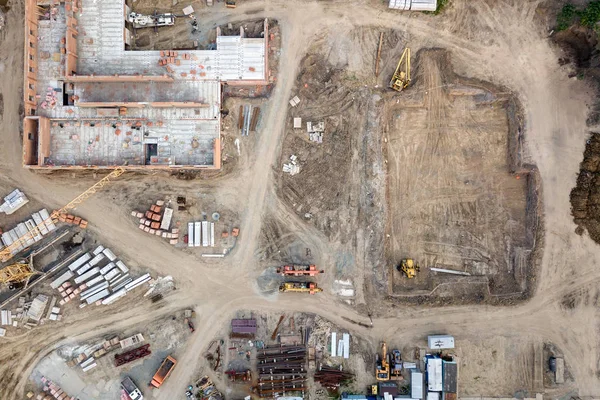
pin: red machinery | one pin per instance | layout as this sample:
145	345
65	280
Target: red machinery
299	270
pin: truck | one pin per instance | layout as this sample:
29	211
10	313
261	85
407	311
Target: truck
163	372
131	389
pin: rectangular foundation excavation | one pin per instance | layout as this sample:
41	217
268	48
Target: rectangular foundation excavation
91	103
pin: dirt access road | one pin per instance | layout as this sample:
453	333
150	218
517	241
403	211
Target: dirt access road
499	41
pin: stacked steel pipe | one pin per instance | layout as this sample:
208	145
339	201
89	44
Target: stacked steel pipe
281	370
332	378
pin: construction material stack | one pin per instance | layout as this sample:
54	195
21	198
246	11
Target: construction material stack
157	221
96	277
332	378
281	370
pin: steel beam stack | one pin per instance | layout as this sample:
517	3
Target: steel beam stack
281	370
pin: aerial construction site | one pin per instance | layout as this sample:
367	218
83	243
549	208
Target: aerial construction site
252	199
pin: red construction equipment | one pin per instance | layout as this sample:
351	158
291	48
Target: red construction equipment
299	270
132	355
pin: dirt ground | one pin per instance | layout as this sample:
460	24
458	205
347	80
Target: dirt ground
453	203
165	337
502	42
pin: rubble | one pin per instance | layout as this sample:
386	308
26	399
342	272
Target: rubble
15	200
315	131
292	168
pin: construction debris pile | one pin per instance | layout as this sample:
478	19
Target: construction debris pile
248	119
29	314
332	378
157	221
292	167
28	232
207	390
294	101
132	354
281	370
15	200
315	131
96	277
53	391
51	99
89	355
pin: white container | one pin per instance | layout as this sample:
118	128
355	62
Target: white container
98	250
438	342
79	262
98	296
122	267
61	279
109	254
87	275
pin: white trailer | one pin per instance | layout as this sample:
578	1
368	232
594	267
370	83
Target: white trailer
212	234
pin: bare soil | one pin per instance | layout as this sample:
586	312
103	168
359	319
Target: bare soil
455	201
505	43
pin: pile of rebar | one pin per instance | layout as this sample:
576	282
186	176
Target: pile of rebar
281	370
332	378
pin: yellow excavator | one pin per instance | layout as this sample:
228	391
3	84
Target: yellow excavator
301	287
382	364
401	77
409	267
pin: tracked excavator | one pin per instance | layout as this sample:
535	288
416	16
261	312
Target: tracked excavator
382	364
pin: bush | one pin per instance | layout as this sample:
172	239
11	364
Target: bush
591	14
565	17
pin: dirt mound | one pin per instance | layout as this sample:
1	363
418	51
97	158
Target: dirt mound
585	197
580	43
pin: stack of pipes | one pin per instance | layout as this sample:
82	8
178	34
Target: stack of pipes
281	369
332	378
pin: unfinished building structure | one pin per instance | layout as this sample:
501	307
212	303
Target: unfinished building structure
91	103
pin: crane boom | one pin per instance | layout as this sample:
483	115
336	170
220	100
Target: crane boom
7	253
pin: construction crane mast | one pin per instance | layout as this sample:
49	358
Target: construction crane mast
19	272
7	253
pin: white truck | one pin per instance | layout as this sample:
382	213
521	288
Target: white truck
131	389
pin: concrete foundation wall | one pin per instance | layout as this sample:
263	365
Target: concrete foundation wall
30	56
30	140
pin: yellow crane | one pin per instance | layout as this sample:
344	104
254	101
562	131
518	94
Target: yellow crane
401	77
7	253
18	272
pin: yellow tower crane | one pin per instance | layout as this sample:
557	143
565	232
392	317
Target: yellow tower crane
19	272
401	77
7	253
